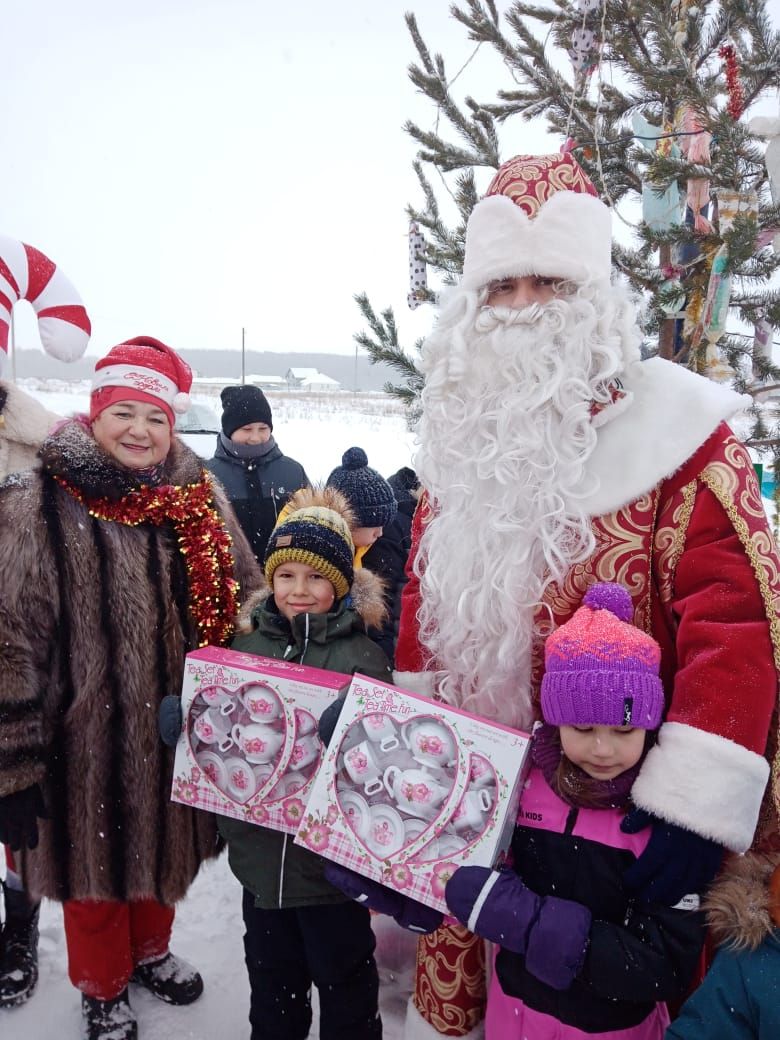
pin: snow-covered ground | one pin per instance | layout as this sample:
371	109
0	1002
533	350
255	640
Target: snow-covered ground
208	930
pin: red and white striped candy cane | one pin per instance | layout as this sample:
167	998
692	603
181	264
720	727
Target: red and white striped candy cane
26	274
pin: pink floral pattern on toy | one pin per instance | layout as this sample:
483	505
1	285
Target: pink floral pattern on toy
358	761
317	836
431	745
257	813
417	793
292	810
442	872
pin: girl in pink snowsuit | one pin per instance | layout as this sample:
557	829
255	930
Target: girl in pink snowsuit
579	957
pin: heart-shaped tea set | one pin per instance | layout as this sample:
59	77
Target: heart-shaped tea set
409	790
250	744
406	789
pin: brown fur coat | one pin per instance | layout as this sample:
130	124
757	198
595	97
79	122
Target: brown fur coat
743	905
94	626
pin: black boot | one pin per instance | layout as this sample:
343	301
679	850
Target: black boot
170	979
109	1019
19	953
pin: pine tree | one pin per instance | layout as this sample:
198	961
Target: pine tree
654	100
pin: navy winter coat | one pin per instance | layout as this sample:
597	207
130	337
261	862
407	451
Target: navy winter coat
258	489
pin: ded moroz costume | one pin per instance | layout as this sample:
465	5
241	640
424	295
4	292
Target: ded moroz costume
576	464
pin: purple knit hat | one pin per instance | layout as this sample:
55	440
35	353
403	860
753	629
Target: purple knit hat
600	670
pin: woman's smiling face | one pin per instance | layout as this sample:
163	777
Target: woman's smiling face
135	433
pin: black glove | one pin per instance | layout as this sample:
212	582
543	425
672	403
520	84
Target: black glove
170	719
19	814
675	862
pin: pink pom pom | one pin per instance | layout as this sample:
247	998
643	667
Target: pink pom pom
181	403
610	596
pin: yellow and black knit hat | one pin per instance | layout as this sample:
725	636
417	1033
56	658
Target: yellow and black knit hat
316	532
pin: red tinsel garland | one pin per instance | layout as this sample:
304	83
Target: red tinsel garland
736	103
203	540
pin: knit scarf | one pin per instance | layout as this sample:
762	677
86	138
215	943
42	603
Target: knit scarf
574	786
246	452
203	540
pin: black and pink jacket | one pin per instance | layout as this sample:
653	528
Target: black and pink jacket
639	954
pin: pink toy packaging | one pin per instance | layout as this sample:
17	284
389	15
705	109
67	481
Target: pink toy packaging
410	789
249	746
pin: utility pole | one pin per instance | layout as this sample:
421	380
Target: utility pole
243	356
12	345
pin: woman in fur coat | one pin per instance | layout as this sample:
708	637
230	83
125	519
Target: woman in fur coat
118	556
740	995
24	423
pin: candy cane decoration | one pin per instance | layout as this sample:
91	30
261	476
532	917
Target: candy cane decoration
26	274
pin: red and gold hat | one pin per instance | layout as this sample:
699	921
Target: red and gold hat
541	215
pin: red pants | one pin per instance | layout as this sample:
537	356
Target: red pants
106	940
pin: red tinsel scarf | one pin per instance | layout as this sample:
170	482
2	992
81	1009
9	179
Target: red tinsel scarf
203	541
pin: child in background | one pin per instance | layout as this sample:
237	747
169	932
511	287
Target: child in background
300	929
257	477
374	505
578	955
368	495
739	998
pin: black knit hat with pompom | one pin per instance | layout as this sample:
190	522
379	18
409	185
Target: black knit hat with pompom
368	493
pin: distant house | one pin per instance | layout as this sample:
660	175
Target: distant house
310	379
212	383
267	382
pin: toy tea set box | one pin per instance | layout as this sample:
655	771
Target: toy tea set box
411	789
249	746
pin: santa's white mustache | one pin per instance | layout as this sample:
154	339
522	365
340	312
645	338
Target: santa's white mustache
489	318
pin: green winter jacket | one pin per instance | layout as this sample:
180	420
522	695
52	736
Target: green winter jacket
278	872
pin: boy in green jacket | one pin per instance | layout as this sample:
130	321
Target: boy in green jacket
300	929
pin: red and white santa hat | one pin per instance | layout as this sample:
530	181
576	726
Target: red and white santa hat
541	215
142	369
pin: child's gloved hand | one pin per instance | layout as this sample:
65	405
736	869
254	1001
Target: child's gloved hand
170	719
674	863
408	913
551	933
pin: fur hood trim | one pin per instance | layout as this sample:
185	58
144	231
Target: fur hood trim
322	497
741	909
366	594
71	452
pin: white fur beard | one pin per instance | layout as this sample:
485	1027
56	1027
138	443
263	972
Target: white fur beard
505	437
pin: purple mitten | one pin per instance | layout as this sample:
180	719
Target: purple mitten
551	933
557	942
370	893
416	917
493	904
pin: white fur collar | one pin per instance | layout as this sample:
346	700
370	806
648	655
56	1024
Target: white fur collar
672	413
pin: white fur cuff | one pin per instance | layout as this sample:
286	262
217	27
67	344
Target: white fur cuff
422	683
704	783
416	1027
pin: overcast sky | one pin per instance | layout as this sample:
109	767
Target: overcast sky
196	166
199	166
